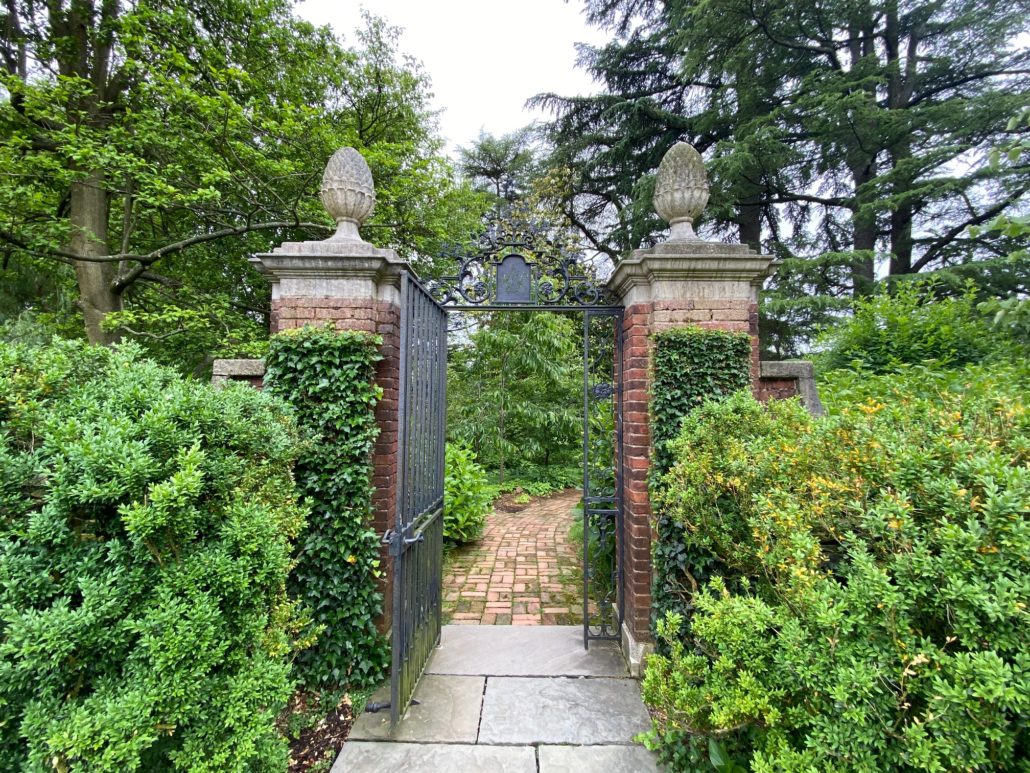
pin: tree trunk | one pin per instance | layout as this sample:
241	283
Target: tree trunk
750	221
88	215
863	271
861	161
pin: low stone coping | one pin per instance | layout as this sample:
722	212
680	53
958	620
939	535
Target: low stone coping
237	370
802	372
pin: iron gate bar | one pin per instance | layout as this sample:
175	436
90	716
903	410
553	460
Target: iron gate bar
602	509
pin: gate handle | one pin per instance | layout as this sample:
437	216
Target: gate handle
412	540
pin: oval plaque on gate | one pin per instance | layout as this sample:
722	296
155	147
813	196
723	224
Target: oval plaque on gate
514	280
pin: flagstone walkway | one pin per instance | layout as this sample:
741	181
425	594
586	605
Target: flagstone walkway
510	700
524	570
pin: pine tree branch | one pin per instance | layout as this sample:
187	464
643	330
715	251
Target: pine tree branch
949	236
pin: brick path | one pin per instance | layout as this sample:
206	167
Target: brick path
523	571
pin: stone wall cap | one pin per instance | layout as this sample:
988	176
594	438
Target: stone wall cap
331	262
714	262
787	369
698	248
240	368
333	248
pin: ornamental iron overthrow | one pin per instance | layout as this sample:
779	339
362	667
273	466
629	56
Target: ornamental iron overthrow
519	270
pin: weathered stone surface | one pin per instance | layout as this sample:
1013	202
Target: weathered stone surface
523	651
447	712
365	757
562	711
243	370
348	193
802	372
610	759
681	190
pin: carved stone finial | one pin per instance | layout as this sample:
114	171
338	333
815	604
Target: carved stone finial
348	193
681	190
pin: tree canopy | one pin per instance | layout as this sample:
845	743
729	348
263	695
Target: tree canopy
147	148
846	137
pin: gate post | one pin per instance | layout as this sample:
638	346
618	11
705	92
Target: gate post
353	285
683	281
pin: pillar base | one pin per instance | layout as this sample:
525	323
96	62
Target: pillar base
635	652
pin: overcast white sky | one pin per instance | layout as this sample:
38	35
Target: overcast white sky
485	57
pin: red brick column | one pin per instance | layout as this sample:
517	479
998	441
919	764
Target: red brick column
637	323
676	284
351	286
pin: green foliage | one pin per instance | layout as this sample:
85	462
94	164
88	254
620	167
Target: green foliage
869	609
328	379
844	138
909	326
541	481
196	132
146	530
515	393
466	498
501	166
691	366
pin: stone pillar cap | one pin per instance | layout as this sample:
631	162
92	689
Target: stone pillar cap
348	193
681	191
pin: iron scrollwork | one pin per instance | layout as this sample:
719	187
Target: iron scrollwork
513	270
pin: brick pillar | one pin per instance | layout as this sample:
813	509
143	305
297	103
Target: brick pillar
682	282
352	285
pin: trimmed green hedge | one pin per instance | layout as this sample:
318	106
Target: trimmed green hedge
870	605
691	366
328	378
146	530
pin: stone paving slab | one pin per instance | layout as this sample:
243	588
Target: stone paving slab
610	759
561	711
447	712
371	757
529	651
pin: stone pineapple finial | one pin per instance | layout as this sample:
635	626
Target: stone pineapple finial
348	193
681	191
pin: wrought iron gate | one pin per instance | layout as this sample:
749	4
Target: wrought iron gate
522	272
416	541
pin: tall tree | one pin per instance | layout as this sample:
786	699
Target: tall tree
503	166
150	145
514	391
849	130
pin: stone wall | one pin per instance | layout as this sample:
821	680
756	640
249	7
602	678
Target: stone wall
248	371
779	380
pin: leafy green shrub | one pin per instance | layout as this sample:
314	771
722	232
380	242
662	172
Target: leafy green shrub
691	367
909	326
869	609
466	499
541	481
328	379
146	529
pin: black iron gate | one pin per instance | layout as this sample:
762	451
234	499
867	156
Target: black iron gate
522	272
416	541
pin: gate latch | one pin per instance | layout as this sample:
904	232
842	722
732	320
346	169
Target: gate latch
397	541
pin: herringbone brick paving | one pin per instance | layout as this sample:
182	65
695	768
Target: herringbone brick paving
524	570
